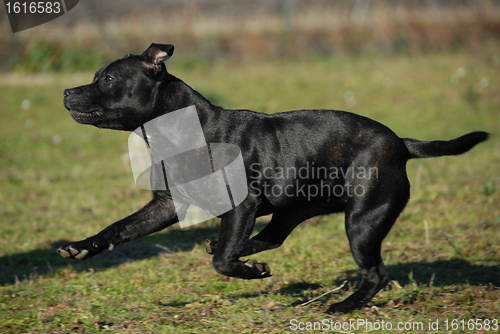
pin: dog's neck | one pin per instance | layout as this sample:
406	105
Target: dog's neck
174	94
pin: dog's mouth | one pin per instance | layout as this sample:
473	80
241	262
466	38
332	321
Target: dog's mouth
84	117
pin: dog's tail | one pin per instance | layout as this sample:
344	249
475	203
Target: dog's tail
437	148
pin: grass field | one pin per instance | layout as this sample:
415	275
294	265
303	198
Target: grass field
62	181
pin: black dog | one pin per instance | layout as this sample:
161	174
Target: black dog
358	165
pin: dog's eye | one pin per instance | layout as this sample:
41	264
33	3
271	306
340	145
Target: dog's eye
108	78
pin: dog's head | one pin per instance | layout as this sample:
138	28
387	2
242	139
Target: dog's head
123	93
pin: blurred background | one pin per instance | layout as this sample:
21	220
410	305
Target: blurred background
238	30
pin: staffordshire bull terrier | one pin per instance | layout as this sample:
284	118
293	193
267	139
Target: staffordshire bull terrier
354	165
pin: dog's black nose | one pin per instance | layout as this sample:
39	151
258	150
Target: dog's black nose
67	92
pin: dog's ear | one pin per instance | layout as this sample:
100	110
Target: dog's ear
156	54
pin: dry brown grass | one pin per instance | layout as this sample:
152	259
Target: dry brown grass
268	29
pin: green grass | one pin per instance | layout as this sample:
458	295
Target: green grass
61	181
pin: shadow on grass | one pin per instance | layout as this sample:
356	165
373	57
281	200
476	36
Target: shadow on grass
441	272
46	261
446	272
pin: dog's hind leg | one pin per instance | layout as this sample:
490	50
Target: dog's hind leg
368	221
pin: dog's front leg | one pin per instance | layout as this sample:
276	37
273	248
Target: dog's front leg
158	214
236	227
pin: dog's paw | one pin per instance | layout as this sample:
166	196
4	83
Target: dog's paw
259	269
210	246
72	253
83	250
